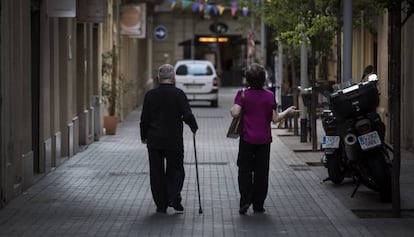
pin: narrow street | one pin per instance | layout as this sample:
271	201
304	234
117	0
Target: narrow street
104	191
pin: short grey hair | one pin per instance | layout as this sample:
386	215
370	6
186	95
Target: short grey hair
165	72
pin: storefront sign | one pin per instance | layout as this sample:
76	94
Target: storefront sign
91	10
132	20
61	8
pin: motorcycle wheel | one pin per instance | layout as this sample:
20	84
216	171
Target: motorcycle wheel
380	172
336	170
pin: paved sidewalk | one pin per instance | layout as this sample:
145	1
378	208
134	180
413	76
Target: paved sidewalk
375	216
104	191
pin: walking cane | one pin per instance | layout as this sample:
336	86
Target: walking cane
198	182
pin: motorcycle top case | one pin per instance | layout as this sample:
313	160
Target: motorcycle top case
355	100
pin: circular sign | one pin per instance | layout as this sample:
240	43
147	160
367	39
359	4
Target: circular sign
160	32
219	27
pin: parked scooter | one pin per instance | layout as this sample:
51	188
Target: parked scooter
353	144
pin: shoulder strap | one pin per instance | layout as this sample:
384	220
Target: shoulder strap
242	98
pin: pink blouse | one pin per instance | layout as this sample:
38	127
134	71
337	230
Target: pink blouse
258	109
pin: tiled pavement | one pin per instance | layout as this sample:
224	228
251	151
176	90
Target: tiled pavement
104	191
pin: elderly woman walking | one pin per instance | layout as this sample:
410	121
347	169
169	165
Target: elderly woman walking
259	110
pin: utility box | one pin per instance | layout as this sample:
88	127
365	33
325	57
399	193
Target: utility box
306	97
287	101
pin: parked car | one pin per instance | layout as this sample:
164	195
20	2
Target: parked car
198	79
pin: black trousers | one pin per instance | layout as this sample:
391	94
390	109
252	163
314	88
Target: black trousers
253	163
166	181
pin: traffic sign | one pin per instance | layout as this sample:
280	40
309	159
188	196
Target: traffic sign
160	32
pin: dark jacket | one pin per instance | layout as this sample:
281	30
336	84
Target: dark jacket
163	112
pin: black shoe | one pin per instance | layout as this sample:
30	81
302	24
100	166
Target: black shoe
161	210
243	209
259	210
177	207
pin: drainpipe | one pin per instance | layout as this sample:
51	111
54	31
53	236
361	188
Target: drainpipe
150	24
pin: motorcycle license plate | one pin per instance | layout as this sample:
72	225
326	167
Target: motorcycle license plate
369	140
330	142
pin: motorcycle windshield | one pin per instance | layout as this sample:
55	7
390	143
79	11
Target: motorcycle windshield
341	86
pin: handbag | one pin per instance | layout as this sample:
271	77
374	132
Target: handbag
235	129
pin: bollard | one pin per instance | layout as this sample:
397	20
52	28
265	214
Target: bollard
303	130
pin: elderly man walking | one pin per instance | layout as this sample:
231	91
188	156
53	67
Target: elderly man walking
164	110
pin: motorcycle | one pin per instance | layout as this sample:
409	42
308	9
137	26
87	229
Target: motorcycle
354	144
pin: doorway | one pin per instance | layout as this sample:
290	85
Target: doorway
226	53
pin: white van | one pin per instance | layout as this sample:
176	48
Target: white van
198	79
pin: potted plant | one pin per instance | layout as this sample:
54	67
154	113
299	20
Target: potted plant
113	86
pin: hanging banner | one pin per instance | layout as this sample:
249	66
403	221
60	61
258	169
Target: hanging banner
133	20
91	10
61	8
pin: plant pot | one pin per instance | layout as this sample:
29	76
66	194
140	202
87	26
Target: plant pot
110	123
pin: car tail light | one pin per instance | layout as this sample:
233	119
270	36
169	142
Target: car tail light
215	81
